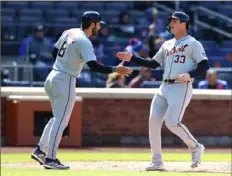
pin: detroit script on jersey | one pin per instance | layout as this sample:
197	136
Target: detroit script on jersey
175	50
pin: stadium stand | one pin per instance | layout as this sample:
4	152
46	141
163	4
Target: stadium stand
18	18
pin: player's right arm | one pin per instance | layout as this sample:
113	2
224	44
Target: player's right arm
153	63
96	67
87	54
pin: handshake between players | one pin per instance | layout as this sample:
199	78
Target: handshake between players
122	70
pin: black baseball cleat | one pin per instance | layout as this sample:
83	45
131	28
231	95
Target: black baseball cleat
38	155
54	164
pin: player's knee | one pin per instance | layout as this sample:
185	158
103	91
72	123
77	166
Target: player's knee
64	124
171	123
58	123
153	120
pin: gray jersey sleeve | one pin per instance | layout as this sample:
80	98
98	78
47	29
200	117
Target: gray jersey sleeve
159	56
87	51
198	52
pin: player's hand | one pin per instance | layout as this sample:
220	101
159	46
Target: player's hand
184	78
125	56
123	70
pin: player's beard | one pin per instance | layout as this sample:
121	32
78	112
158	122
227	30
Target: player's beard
94	30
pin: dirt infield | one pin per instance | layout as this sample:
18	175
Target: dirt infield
209	167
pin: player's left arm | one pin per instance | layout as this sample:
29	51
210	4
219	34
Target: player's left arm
201	68
201	59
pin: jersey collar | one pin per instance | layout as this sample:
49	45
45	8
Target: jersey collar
182	38
83	32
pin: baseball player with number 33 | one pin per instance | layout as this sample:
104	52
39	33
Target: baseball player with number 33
184	59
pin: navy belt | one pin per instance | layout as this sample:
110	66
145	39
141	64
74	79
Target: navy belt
170	81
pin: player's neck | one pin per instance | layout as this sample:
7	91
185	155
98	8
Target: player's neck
87	32
180	35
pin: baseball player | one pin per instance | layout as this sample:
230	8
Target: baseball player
72	51
184	59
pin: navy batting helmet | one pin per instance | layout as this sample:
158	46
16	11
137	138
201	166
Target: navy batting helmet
183	17
91	17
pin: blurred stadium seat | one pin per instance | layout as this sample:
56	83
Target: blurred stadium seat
30	19
54	13
42	5
90	6
36	13
66	20
8	31
6	19
8	12
16	5
67	5
210	5
116	5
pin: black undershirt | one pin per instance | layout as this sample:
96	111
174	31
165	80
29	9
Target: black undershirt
202	66
96	67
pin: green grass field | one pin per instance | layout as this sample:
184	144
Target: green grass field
109	156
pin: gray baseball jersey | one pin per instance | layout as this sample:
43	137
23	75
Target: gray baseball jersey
179	56
169	104
74	50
